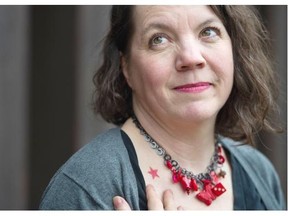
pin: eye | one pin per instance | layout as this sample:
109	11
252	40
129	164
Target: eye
158	39
210	32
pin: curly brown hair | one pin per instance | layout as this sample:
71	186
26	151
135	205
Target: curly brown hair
252	100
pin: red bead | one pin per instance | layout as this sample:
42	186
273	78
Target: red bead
221	159
193	185
185	182
169	164
175	177
214	177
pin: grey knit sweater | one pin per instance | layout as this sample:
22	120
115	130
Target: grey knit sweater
101	170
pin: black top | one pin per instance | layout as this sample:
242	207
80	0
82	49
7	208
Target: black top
246	197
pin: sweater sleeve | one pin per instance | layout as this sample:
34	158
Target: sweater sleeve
267	173
64	193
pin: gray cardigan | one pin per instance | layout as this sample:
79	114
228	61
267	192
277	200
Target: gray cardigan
101	170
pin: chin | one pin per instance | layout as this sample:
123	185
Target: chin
200	115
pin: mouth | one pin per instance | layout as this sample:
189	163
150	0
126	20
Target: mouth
194	87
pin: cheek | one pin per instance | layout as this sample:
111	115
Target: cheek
226	77
228	80
149	73
225	66
229	72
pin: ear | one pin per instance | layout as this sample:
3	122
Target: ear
124	67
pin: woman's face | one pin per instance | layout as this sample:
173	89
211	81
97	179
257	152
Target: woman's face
180	63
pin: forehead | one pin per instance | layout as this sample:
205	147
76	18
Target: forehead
144	15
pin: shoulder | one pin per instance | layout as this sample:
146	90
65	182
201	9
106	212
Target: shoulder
92	176
261	171
108	143
104	154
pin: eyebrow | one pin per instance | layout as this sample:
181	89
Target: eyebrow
164	26
208	22
155	25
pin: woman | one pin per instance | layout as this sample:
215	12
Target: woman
188	86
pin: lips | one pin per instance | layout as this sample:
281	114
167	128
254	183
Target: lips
194	87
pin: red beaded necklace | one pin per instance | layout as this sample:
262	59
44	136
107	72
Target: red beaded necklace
207	183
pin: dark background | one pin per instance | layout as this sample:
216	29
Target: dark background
47	58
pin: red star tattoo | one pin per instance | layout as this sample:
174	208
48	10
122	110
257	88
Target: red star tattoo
153	173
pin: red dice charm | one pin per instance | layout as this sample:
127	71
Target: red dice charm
218	189
210	192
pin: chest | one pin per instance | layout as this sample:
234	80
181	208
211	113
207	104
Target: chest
156	173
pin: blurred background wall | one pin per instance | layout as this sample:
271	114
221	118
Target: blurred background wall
47	58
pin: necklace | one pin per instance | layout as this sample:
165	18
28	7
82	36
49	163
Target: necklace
207	183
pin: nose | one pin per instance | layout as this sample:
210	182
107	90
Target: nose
189	56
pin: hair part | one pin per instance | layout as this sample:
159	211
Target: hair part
252	102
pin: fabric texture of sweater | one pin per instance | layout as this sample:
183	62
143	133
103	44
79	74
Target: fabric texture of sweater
101	170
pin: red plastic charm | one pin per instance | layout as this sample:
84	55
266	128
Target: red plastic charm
185	182
193	185
214	177
169	165
210	192
218	189
175	176
221	159
206	196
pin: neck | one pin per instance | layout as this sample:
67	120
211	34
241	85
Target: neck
191	146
